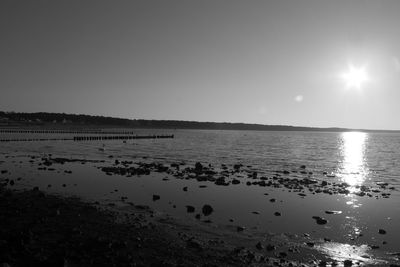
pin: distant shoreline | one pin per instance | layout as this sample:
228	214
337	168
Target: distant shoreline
73	121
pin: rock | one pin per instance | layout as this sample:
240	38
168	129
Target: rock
347	263
272	200
237	166
207	210
194	244
190	209
382	232
185	189
270	247
282	254
333	211
255	212
235	181
240	229
198	167
221	181
259	246
197	216
277	214
302	166
156	197
320	220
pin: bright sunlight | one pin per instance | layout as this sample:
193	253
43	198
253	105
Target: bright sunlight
355	77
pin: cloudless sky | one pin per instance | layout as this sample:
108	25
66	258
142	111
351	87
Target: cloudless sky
267	62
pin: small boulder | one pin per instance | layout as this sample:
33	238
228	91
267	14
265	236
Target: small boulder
207	210
190	209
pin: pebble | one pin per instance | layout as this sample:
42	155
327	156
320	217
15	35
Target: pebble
240	229
333	211
270	247
320	220
347	263
190	209
382	232
207	210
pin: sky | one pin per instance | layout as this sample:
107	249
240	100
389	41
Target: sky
267	62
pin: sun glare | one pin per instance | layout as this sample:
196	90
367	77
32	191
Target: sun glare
355	77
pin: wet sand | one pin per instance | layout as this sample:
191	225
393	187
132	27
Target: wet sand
39	229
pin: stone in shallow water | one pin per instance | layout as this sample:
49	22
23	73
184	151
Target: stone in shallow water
333	211
347	263
320	220
270	247
240	228
235	181
190	209
207	210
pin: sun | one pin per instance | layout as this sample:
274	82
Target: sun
355	77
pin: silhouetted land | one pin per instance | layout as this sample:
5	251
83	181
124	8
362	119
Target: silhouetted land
8	119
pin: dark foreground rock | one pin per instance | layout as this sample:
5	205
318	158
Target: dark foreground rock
37	229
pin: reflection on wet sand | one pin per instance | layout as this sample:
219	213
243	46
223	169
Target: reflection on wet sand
349	254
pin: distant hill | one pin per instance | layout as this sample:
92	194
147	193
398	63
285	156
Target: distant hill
8	119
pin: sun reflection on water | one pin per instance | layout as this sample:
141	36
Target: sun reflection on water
353	169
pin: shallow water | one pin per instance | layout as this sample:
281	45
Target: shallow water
358	159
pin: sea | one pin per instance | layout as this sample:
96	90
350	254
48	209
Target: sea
336	190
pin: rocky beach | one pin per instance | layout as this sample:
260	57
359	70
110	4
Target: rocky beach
67	208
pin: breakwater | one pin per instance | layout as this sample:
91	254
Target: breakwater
89	138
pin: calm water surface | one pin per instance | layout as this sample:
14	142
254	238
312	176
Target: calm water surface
358	159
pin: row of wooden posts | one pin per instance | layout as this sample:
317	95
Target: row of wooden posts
90	138
32	131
